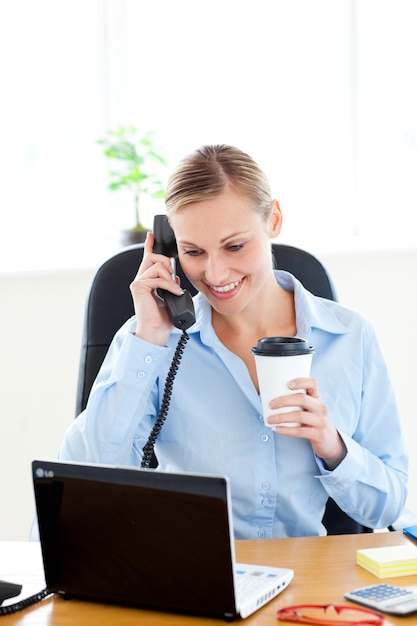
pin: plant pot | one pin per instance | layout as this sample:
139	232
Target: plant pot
130	237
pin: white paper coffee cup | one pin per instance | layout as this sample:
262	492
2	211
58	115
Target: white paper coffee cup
279	360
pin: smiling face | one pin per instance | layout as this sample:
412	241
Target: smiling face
225	250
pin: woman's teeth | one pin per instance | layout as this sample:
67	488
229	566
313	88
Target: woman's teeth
225	288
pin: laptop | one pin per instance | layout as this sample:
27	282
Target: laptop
146	538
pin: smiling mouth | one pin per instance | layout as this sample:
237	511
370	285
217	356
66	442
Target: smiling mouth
225	288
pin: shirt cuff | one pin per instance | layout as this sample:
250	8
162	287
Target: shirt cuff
349	468
138	361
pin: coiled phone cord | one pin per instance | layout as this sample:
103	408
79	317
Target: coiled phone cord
166	398
23	604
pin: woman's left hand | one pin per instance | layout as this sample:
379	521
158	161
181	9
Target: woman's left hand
316	425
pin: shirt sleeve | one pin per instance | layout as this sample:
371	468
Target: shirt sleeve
122	404
370	484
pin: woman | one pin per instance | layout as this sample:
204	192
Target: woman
350	444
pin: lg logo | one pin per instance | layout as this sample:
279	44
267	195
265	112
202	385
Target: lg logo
41	473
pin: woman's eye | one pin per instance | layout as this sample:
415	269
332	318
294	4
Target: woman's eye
192	252
235	247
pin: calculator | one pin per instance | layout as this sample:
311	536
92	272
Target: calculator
386	598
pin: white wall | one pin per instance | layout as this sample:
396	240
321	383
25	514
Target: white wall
40	332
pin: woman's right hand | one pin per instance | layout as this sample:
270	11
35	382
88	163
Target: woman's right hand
154	323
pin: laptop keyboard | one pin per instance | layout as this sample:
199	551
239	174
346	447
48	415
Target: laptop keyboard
251	583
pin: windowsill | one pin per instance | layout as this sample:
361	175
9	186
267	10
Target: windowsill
355	244
61	256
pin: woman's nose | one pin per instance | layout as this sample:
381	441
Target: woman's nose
216	271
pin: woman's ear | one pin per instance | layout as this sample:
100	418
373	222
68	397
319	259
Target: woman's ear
275	220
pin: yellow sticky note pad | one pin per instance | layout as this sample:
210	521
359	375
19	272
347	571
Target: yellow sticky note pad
389	561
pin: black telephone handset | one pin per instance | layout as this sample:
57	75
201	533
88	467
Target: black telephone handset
183	316
181	307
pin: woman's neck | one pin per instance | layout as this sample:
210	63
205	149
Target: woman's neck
272	314
274	317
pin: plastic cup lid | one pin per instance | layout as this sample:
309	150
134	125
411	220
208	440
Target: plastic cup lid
282	346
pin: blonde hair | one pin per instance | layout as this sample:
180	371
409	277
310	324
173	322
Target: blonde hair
206	173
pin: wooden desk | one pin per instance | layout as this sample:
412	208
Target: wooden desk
325	567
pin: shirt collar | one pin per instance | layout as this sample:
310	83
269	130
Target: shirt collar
311	311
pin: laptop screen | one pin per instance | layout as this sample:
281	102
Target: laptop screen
136	536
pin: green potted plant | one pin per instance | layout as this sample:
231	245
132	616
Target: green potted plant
138	163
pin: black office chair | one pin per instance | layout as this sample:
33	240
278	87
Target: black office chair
109	305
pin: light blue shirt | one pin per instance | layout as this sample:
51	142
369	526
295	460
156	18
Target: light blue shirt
214	425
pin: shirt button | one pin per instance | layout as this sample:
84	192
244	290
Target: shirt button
148	359
266	502
261	534
141	374
265	437
261	418
265	486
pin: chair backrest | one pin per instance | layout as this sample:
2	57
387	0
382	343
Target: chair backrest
109	305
